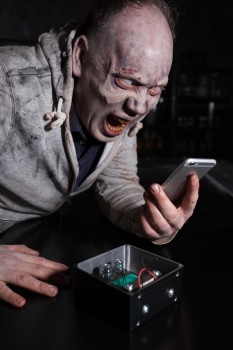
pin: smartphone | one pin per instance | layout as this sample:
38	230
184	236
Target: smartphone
175	183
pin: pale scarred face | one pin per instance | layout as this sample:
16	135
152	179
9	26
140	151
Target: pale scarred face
122	72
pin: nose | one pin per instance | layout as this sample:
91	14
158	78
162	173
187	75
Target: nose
136	105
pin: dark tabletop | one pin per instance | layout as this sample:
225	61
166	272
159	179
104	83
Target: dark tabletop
202	319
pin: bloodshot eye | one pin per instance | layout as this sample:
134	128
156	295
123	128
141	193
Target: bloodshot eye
156	90
125	83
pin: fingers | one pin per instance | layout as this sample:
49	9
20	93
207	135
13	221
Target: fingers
21	248
159	217
22	267
26	281
16	254
162	218
148	229
38	271
190	198
43	262
7	295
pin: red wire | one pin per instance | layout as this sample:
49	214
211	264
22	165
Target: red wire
140	274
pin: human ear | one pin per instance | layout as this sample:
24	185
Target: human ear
80	48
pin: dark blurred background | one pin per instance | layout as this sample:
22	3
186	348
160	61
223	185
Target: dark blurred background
194	116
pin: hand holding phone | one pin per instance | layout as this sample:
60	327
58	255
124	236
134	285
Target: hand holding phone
175	183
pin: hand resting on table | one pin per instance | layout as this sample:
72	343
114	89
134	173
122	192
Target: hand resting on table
23	267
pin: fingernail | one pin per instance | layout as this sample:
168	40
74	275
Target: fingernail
155	188
52	290
20	301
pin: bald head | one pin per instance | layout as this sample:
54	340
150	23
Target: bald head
137	34
121	70
102	11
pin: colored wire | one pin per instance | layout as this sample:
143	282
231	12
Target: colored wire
144	269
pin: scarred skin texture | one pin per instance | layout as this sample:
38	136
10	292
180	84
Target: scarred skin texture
120	74
122	71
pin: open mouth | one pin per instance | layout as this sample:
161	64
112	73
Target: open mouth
115	124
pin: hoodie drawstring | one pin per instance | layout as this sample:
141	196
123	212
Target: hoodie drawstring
58	115
135	129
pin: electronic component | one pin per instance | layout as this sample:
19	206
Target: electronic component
120	277
125	280
150	277
128	285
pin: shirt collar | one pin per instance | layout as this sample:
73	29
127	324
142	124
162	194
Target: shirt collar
76	126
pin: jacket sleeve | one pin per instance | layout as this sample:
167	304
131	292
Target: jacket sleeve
6	109
118	190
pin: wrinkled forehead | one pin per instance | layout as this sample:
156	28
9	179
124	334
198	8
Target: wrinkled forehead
138	37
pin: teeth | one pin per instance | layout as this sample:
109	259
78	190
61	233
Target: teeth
123	122
117	128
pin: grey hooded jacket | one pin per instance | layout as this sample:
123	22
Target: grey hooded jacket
38	166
